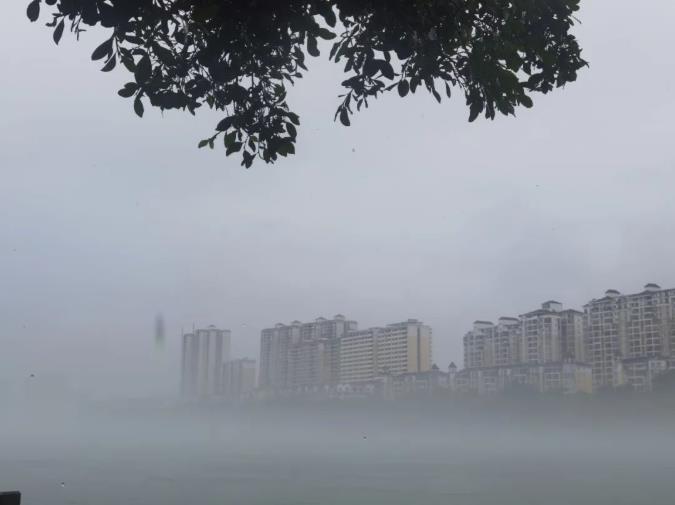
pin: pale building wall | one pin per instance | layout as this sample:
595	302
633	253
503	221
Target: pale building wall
619	327
391	350
301	355
204	352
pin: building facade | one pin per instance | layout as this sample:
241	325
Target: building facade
542	349
632	330
317	357
627	340
541	335
562	377
204	352
420	384
302	356
546	335
390	350
239	377
572	336
475	343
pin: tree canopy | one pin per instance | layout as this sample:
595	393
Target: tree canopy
240	56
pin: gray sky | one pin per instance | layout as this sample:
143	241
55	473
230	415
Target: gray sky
106	219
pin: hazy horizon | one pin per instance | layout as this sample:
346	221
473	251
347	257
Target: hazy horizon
108	220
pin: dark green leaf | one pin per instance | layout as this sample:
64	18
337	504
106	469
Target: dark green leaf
447	90
526	101
128	62
58	31
294	118
312	46
333	50
326	34
164	55
224	124
291	130
404	52
370	68
109	65
247	160
235	147
403	88
475	109
128	90
230	139
203	143
344	117
138	106
285	149
329	15
143	70
386	69
33	10
105	49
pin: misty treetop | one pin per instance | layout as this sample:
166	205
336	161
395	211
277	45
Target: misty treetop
240	56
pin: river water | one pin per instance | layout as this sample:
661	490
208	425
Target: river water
120	459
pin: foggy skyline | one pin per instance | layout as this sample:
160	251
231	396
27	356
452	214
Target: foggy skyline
107	220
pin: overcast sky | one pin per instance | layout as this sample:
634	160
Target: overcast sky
107	219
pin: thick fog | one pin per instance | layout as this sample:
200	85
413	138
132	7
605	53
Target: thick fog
556	451
107	221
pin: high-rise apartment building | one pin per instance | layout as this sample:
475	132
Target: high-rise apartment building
546	335
626	328
512	351
238	378
626	340
541	337
311	357
572	345
475	344
204	352
302	356
390	350
502	345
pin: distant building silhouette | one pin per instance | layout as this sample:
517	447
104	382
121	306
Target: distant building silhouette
623	340
316	357
630	338
393	349
301	356
239	378
204	352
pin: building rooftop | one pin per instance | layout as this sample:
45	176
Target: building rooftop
540	312
571	310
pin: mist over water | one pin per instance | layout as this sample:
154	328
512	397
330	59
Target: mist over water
117	234
331	453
